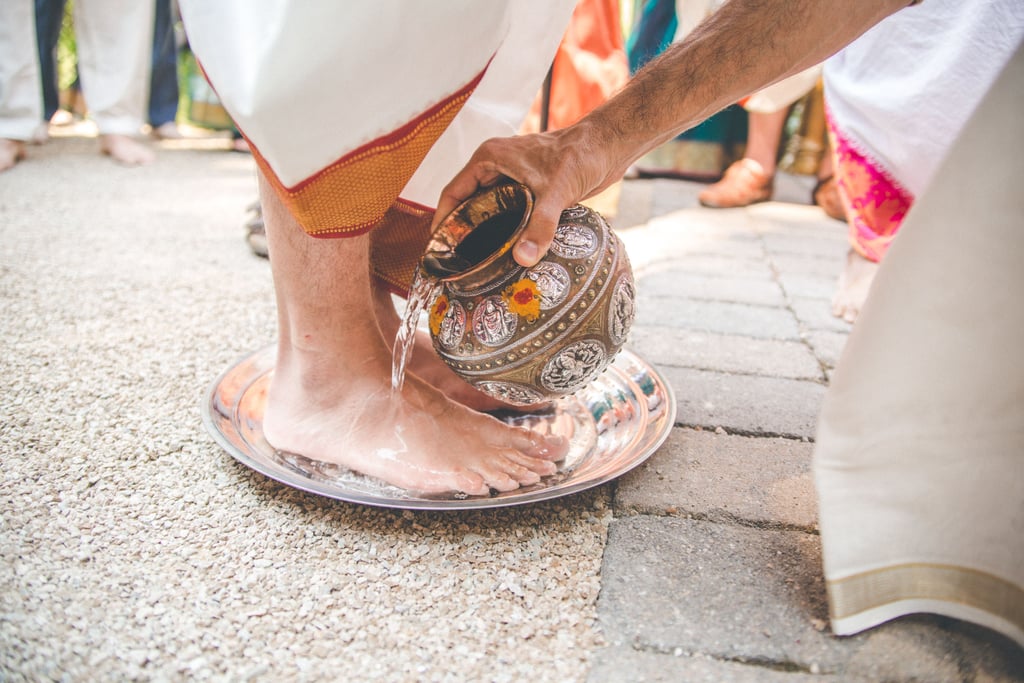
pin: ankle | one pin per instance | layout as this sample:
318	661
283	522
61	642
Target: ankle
311	362
759	168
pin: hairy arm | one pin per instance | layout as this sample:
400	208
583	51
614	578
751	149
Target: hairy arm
743	47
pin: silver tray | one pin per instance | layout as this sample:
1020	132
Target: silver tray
613	425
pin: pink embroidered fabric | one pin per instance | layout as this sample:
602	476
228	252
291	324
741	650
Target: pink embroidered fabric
875	202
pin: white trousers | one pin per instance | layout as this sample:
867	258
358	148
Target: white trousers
114	39
115	43
21	100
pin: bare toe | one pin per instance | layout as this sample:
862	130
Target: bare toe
471	484
552	447
11	151
541	468
502	482
125	150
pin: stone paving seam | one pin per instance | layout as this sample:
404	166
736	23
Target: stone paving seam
717	517
824	367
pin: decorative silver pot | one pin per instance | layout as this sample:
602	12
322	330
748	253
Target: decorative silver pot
526	335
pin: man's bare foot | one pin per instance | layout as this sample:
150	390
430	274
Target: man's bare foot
331	399
426	364
854	285
11	152
339	407
126	150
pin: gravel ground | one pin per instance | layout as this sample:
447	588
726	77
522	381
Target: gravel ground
133	547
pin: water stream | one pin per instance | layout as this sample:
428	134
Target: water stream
422	291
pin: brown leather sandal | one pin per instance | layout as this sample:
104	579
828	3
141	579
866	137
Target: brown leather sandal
743	184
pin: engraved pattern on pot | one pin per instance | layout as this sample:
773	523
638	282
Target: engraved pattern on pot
553	282
575	213
493	323
574	241
510	392
585	292
453	325
622	310
573	366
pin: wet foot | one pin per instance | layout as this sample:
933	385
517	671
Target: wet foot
126	150
854	285
330	397
340	408
11	152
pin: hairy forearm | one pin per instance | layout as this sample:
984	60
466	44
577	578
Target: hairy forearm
743	47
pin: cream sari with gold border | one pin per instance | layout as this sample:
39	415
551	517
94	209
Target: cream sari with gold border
919	462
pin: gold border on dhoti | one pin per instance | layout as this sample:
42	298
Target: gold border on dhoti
859	593
351	195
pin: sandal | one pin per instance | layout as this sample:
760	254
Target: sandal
743	184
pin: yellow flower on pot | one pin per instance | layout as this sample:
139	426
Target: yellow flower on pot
437	313
523	298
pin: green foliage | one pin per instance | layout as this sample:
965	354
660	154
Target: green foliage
67	52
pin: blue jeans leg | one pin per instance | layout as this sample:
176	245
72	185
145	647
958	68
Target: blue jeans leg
163	86
49	16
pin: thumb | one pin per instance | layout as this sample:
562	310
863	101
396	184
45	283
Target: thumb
536	238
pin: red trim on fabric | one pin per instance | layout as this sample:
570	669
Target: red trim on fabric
416	206
334	234
397	134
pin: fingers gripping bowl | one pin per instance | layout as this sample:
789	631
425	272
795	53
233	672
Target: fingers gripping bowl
527	335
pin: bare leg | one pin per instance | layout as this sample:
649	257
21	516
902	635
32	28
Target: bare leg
765	132
330	398
11	152
125	150
854	285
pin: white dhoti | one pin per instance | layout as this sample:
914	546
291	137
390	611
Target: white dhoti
359	114
920	456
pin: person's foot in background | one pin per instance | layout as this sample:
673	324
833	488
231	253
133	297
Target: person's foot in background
854	285
11	152
826	195
167	131
745	182
126	150
752	178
